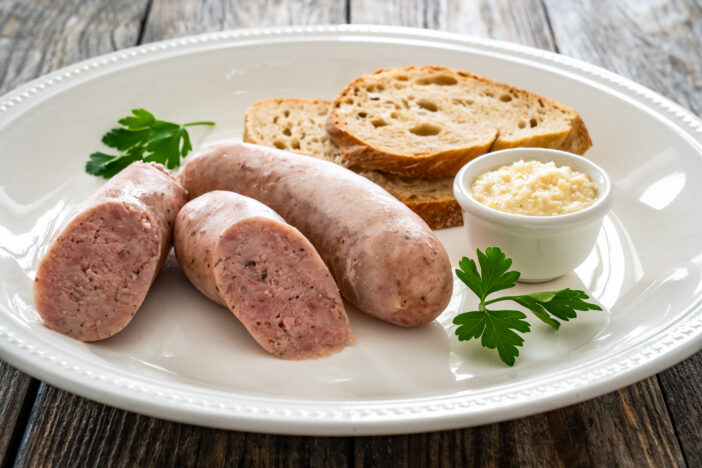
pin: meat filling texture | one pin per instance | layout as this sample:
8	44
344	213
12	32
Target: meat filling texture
99	268
243	255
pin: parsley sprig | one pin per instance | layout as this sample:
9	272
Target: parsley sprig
142	137
497	329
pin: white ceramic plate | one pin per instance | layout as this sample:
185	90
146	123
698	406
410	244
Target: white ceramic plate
185	359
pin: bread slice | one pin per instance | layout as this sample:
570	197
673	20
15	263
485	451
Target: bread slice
297	125
429	121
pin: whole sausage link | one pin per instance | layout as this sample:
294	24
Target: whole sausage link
385	259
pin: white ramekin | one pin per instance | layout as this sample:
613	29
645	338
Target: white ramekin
541	247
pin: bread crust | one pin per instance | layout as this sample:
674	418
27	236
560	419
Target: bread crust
578	141
438	214
433	166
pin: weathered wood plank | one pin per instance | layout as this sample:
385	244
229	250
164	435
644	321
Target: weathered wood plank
14	396
67	430
625	428
40	36
681	389
175	18
657	44
521	21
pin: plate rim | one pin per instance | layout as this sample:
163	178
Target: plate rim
366	417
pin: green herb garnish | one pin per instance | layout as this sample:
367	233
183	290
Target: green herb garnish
497	328
142	137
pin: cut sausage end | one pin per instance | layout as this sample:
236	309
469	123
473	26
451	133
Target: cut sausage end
272	279
96	274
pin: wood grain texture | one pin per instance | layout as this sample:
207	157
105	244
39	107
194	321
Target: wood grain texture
657	43
175	18
14	395
66	430
681	388
41	36
520	21
625	428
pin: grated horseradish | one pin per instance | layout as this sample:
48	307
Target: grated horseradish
534	188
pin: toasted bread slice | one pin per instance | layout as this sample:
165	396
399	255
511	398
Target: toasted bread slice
429	121
297	125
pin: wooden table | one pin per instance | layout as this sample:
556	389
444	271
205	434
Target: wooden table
657	43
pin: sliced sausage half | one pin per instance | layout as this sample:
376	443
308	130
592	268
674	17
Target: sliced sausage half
243	255
99	268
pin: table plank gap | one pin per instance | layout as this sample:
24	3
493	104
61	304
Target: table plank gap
550	27
144	21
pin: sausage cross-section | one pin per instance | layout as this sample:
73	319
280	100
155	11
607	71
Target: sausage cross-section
385	259
243	255
99	268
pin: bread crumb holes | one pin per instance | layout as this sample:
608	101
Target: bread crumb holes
425	129
428	105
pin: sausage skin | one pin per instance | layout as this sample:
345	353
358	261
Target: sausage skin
385	259
98	270
243	255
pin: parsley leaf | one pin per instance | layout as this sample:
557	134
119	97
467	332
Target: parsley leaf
560	304
140	119
497	328
142	137
123	139
107	165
